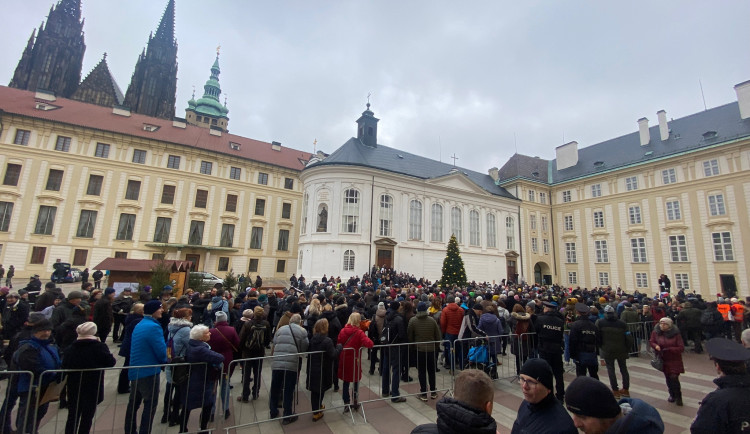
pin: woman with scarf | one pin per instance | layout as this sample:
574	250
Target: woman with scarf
667	342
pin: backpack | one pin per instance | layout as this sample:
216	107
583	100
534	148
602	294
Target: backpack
389	333
257	338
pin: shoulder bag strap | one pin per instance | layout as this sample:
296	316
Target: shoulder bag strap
230	343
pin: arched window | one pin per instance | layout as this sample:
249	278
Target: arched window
436	224
386	216
415	220
491	231
474	239
350	212
349	260
510	233
456	223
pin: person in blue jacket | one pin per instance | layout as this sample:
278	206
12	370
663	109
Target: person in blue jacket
147	348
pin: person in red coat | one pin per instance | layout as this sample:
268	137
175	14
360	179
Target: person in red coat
224	340
350	366
667	342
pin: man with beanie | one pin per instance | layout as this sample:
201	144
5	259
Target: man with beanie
103	315
147	348
595	410
65	310
726	409
540	411
422	328
583	338
614	344
549	330
470	409
394	330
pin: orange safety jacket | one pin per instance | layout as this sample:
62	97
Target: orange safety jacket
724	310
738	312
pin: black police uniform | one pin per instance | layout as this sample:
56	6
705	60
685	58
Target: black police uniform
549	331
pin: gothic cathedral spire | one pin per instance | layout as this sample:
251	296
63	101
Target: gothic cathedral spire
53	57
153	86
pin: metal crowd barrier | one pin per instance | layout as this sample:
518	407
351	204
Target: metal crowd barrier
641	332
12	412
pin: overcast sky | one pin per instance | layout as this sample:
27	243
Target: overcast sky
476	78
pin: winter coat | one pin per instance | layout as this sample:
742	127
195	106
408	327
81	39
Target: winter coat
613	340
492	326
288	341
247	333
451	319
350	363
342	312
88	387
456	417
629	316
147	348
47	299
129	324
203	376
549	332
179	333
422	328
224	340
689	318
334	326
122	305
320	366
14	317
726	409
712	321
671	347
65	311
395	322
528	340
199	308
546	416
103	317
35	355
583	339
639	418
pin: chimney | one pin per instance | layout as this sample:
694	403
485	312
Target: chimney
567	155
743	98
121	110
494	174
643	130
663	127
276	146
45	95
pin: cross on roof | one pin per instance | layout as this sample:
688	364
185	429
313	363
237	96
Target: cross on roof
454	159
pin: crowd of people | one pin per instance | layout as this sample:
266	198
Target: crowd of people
396	320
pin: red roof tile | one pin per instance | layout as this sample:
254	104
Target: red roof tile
23	102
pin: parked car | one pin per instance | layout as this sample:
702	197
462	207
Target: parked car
208	279
62	273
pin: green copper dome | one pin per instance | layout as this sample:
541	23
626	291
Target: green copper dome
209	104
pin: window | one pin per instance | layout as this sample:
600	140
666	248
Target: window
568	220
235	173
532	221
173	162
350	212
436	223
634	214
596	190
253	267
678	248
305	201
45	220
231	205
62	144
543	198
223	263
195	237
631	183
139	156
603	278
133	190
206	167
38	254
86	223
532	193
475	238
722	246
260	206
12	173
126	226
263	178
201	198
641	280
673	210
121	255
102	150
22	137
570	253
80	256
289	183
95	185
256	237
566	196
54	180
415	220
682	281
545	243
286	210
6	212
545	223
456	223
598	219
510	233
711	167
600	247
638	248
491	231
227	235
385	216
716	205
572	278
349	260
280	266
163	226
167	194
534	245
668	176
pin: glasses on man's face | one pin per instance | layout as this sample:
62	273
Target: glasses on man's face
531	383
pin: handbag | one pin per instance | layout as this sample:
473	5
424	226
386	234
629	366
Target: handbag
657	362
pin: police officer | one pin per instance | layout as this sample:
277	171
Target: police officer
583	343
549	330
727	409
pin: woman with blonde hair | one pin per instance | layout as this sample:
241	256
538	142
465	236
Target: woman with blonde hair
319	366
350	366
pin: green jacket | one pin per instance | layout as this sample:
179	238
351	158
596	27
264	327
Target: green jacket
613	340
629	315
689	318
422	328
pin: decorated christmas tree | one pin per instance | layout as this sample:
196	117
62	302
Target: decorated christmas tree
453	266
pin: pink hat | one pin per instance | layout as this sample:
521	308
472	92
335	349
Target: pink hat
4	290
87	330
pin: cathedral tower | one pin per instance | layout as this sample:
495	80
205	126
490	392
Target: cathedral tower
208	112
53	57
153	87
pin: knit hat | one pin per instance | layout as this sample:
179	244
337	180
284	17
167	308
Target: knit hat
609	309
262	298
587	396
395	305
247	314
602	300
221	316
42	325
479	298
151	306
87	330
147	288
422	307
4	290
35	317
424	297
109	290
381	305
72	295
166	288
539	370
